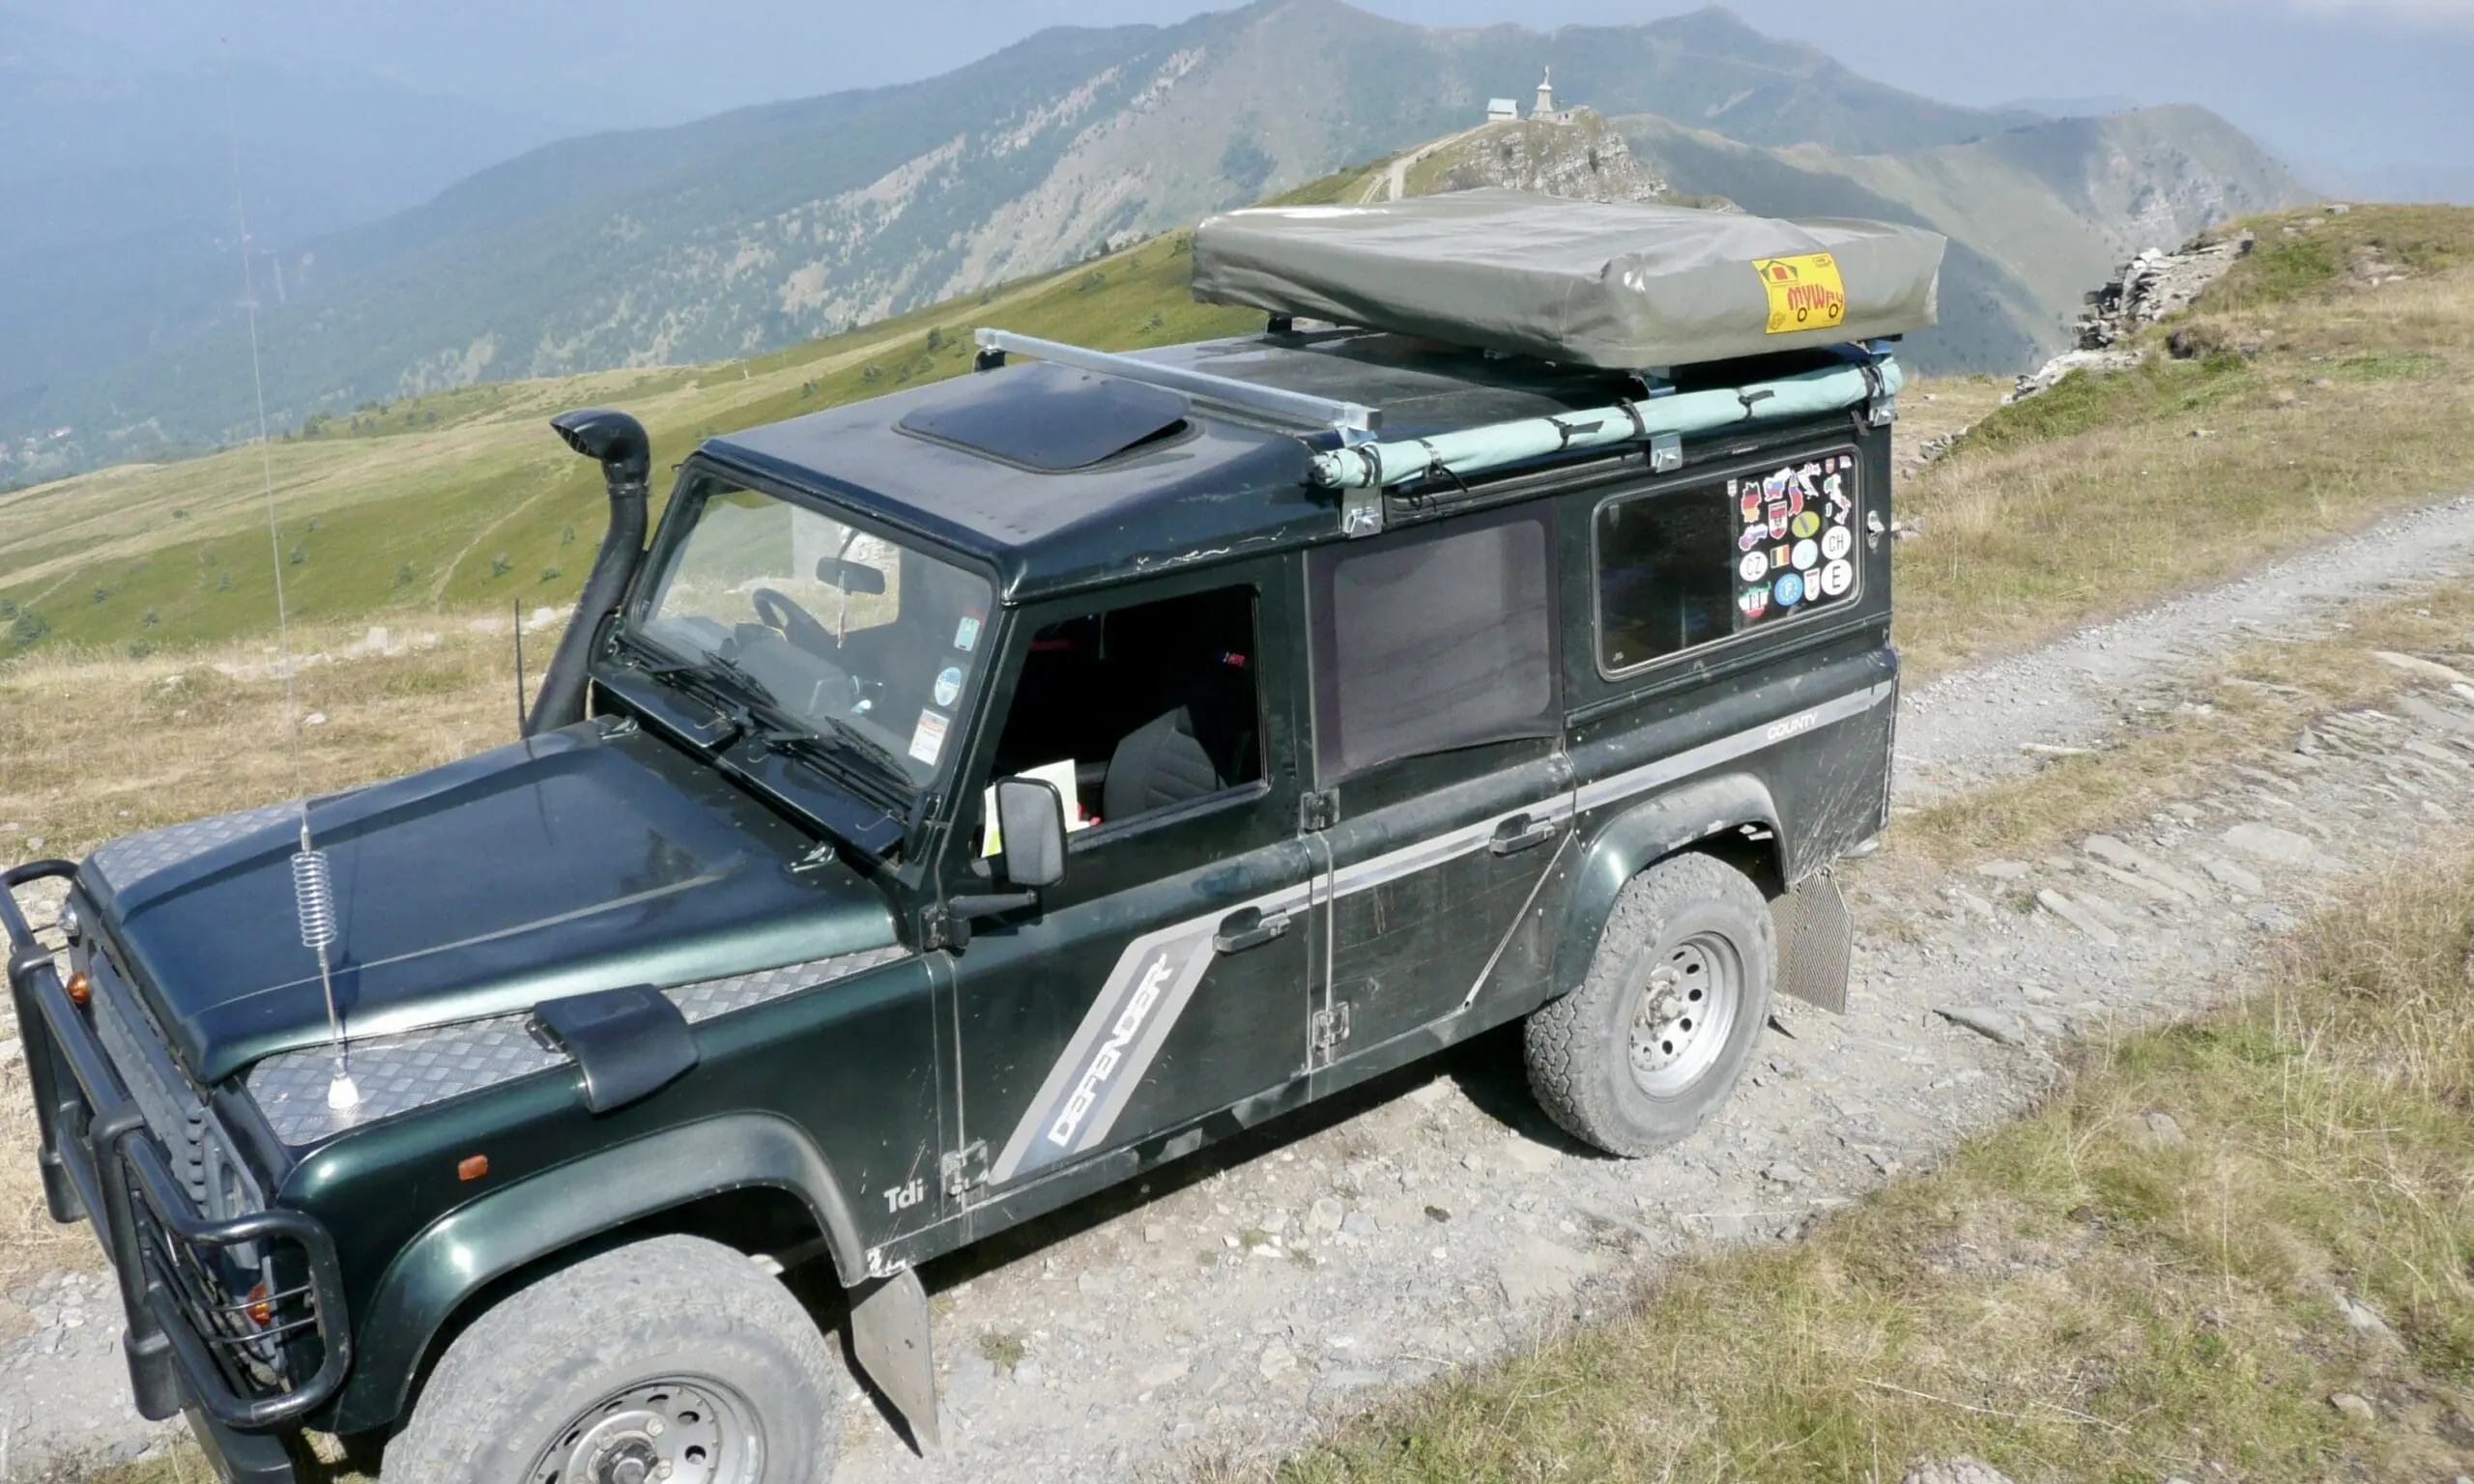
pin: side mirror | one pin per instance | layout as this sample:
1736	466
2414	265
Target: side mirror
1030	822
849	576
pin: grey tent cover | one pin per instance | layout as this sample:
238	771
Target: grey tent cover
1625	285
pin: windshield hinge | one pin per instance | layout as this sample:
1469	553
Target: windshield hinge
1317	811
964	1167
939	927
819	856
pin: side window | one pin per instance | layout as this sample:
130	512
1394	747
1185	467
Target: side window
1689	566
1439	640
1139	710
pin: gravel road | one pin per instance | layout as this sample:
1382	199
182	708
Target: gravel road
1437	1218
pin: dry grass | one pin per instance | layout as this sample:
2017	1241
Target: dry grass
2075	1297
94	746
2315	409
182	1465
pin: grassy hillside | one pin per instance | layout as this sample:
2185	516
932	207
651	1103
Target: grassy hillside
2176	1300
465	498
2311	391
2333	399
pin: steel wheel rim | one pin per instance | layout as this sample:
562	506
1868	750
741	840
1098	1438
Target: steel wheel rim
669	1430
1684	1014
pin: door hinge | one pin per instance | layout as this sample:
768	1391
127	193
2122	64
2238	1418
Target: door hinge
939	928
1331	1028
1317	811
963	1167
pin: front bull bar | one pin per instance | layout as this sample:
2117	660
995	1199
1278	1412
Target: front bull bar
96	1162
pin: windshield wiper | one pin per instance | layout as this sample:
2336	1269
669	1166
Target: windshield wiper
840	739
797	737
756	691
845	736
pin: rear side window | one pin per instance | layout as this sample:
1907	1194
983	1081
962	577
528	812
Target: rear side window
1438	639
1697	563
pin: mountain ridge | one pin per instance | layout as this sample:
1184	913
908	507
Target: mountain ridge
2037	214
766	226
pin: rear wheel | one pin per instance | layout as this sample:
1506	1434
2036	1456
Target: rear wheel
668	1361
1653	1040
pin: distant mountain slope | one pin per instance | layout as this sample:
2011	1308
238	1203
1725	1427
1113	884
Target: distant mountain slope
116	187
763	227
2037	214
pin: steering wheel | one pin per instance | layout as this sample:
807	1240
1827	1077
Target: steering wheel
795	623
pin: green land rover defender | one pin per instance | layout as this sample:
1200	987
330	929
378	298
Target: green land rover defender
978	796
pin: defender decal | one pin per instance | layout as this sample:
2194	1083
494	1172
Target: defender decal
1118	1040
1087	1091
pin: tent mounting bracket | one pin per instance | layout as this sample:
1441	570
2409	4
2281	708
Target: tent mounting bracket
1355	423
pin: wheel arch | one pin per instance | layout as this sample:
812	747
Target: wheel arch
675	1179
1731	817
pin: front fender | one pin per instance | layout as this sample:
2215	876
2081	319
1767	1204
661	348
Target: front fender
440	1270
1634	839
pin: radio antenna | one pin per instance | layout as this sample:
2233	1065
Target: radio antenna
313	889
519	666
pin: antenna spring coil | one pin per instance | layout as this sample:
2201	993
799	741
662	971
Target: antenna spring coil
313	894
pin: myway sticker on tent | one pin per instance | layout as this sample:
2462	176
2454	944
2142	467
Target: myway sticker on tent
1806	292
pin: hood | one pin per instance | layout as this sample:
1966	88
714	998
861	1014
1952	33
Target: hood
567	863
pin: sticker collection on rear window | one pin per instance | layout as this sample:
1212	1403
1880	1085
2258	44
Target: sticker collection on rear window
1798	538
1684	565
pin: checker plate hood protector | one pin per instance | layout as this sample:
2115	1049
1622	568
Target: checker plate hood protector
1619	285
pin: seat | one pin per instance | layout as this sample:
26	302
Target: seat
1159	764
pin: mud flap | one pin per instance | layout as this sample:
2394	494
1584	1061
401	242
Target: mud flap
889	1339
1814	938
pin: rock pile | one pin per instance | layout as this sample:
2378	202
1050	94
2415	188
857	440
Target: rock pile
1584	159
2150	287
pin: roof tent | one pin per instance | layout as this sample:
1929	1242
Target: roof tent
1624	286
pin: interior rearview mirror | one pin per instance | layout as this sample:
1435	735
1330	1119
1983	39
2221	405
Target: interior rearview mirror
1030	823
849	576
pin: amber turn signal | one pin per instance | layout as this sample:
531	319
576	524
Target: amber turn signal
80	988
260	1313
473	1167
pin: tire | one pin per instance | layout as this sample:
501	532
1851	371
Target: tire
674	1349
1630	1068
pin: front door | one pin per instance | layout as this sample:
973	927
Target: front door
1165	978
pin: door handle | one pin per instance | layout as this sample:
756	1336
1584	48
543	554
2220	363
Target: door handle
1520	833
1248	929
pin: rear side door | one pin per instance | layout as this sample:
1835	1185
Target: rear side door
1439	761
1165	978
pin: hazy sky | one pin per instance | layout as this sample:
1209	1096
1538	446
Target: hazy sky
2353	83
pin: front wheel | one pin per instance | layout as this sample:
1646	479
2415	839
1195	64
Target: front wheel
668	1361
1653	1040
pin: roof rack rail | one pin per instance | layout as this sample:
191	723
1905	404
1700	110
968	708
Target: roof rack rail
1355	423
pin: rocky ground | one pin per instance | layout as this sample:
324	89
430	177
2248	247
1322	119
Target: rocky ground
2149	287
1436	1219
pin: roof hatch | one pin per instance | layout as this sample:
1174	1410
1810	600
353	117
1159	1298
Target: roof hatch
1051	419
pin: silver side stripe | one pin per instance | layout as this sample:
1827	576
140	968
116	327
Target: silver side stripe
1708	754
1426	854
1123	1031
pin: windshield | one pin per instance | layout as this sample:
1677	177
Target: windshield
859	638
